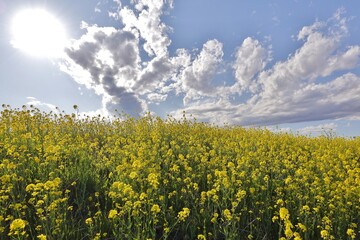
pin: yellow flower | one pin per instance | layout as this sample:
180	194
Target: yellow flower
227	214
41	237
214	218
201	237
284	213
324	234
302	227
351	233
280	202
112	214
297	236
143	196
182	215
155	209
153	180
288	232
17	224
133	175
89	221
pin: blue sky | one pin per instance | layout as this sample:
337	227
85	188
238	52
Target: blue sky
287	65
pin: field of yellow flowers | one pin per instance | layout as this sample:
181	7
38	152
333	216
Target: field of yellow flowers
65	177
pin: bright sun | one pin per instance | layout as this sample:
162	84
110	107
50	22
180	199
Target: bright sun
38	33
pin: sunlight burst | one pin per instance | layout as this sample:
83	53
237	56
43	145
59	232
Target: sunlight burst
38	33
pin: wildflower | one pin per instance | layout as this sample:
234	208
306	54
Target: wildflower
302	227
280	202
17	224
97	236
240	195
297	236
30	187
227	214
41	237
155	209
112	214
306	208
288	232
214	218
274	218
324	234
143	196
284	213
133	175
153	180
351	233
89	221
182	215
201	237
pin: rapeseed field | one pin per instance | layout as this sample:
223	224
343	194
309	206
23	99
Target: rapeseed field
65	177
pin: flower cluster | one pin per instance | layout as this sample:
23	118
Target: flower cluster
71	177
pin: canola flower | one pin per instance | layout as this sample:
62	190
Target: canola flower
155	209
112	214
64	176
41	237
183	214
16	226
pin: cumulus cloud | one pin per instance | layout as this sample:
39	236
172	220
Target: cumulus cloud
319	56
320	129
108	62
196	78
289	91
131	67
146	20
311	130
339	98
155	75
32	101
251	58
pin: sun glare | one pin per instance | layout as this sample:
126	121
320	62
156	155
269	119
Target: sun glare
38	33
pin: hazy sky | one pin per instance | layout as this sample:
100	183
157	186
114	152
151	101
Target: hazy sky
290	65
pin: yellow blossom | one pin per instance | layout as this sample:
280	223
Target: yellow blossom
284	213
182	215
227	214
155	209
351	233
324	234
201	237
41	237
89	221
17	224
112	213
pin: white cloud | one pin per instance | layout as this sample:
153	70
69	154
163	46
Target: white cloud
153	77
32	101
111	62
156	97
320	129
196	78
251	58
339	98
149	25
107	60
289	91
